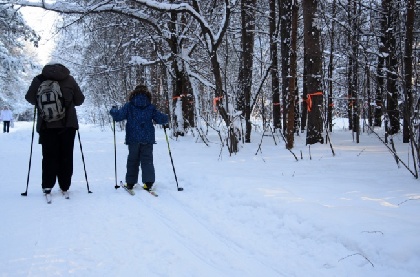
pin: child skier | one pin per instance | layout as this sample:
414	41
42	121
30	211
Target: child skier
140	114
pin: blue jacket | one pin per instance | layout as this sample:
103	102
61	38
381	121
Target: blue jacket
140	115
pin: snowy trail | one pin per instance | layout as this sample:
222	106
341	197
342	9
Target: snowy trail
245	215
199	238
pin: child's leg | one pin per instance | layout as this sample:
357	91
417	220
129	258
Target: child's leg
147	167
133	162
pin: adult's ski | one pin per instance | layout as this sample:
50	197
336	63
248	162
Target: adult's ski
66	194
48	198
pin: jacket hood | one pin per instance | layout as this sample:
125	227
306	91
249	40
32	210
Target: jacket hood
140	100
56	72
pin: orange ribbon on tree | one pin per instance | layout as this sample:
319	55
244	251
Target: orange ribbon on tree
215	100
309	99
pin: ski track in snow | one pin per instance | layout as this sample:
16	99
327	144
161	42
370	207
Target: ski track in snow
203	242
246	215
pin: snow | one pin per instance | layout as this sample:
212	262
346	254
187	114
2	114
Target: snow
264	214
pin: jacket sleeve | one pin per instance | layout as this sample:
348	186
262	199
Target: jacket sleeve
33	89
119	114
78	97
159	117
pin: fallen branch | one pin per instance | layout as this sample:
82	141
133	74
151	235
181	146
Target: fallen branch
359	255
373	232
393	153
284	139
408	200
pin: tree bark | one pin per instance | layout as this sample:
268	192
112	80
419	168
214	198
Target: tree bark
285	24
293	79
392	73
275	83
331	69
408	70
245	76
313	68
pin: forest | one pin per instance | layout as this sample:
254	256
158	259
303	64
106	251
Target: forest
283	66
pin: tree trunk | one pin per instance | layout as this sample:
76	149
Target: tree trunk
245	76
330	70
379	89
369	95
313	68
381	69
275	84
293	79
354	81
177	78
408	70
233	141
392	90
350	67
285	23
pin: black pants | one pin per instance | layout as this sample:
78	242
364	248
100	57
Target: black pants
6	125
57	157
140	155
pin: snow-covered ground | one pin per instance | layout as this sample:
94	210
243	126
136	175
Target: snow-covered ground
264	214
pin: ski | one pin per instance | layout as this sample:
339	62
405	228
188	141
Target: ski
130	191
151	192
66	194
48	198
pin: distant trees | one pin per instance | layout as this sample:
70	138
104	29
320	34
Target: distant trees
229	64
15	63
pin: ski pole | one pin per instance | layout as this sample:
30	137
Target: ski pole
115	157
30	156
83	159
172	162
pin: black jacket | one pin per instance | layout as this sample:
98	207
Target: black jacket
72	94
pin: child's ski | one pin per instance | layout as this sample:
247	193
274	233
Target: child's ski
130	191
152	192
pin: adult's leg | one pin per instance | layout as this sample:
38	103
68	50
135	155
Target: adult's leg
133	163
65	171
50	153
7	125
146	161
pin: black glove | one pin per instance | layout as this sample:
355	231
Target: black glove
166	126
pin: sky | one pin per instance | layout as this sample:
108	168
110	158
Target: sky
255	213
42	22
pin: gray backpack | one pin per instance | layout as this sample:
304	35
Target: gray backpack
50	101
